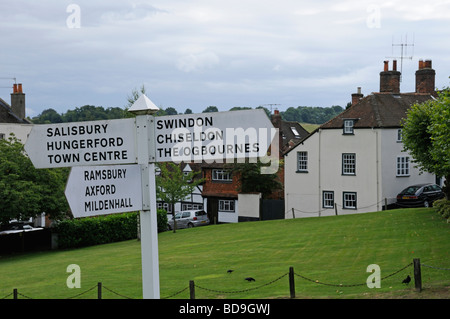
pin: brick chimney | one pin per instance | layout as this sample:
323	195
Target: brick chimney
390	80
18	101
277	123
425	77
356	97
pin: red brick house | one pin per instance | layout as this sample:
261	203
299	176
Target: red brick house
221	186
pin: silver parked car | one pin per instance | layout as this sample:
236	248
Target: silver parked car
189	218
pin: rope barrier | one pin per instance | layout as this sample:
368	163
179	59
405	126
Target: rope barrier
116	293
175	294
240	291
16	293
439	268
352	285
383	201
82	293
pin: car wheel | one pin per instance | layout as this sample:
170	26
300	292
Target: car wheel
190	225
426	203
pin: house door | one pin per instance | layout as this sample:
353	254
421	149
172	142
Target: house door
213	209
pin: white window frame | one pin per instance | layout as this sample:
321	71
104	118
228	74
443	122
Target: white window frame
328	199
349	200
348	163
166	206
191	206
399	135
348	127
222	175
302	162
227	205
403	166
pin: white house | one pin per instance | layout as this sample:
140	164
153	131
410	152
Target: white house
193	201
355	162
12	117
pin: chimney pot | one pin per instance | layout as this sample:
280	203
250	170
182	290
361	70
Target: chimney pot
356	97
394	65
14	88
420	64
19	88
390	80
276	112
425	78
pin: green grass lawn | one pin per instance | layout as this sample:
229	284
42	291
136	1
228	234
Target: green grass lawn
333	250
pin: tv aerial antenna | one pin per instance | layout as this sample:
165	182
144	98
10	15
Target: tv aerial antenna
7	87
403	51
272	104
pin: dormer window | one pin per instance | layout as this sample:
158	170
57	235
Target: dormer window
348	126
294	130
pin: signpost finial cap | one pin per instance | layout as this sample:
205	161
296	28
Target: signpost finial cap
143	106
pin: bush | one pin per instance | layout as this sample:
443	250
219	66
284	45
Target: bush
103	229
162	220
96	230
443	207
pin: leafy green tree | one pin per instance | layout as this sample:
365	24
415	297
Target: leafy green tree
172	185
25	191
48	116
171	111
188	111
211	109
426	136
251	179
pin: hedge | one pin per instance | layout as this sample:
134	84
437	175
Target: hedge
104	229
442	206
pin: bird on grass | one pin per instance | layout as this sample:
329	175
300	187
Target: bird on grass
250	279
230	271
407	280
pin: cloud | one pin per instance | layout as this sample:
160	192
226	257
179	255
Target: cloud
230	52
197	62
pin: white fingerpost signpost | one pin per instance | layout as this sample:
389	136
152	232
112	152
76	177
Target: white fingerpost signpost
145	131
113	161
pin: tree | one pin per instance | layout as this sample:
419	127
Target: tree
426	136
48	116
25	191
188	111
211	109
251	179
172	185
171	111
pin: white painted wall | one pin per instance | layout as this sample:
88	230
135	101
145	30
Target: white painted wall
21	131
249	205
392	184
376	167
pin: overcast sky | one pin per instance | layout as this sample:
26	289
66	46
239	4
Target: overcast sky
192	54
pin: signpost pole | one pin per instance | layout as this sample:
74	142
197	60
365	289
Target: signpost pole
148	220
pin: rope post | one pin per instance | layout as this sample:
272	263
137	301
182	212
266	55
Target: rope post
15	294
99	290
191	289
291	282
417	275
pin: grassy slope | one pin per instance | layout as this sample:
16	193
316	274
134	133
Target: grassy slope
334	250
